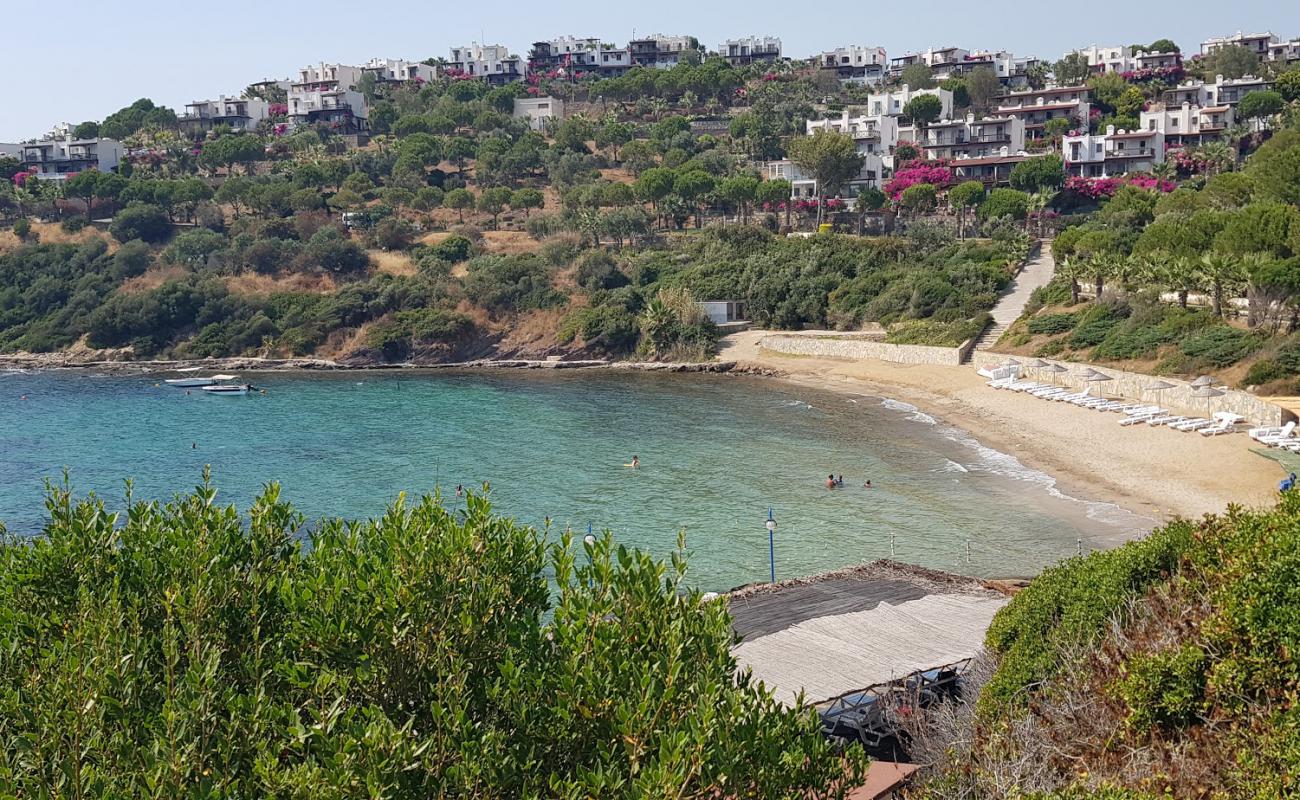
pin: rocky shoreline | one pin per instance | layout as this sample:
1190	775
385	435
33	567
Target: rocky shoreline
66	361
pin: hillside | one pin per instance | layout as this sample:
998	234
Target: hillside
1166	668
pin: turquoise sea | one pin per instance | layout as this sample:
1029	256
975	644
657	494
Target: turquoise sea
716	452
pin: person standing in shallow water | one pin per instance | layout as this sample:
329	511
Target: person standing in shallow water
830	481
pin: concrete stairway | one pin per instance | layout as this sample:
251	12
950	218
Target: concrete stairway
1038	271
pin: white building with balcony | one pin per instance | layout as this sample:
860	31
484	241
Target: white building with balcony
874	137
490	62
571	56
1113	153
1012	71
750	49
662	52
1108	58
940	59
239	113
855	64
892	102
1287	52
1221	92
399	70
58	154
1036	107
327	94
970	137
1188	124
1257	43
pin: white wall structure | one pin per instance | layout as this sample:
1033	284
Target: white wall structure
539	111
1221	92
661	52
874	137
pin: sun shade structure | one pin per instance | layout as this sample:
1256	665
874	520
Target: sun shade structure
1204	380
1093	376
1055	369
858	627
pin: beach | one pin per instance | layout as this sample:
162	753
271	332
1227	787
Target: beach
1154	472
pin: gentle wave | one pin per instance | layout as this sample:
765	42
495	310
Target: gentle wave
913	413
1005	465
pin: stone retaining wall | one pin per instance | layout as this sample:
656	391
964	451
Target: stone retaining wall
1134	386
824	346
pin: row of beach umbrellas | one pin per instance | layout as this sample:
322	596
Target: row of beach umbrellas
1202	387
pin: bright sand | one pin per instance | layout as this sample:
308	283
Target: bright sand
1155	472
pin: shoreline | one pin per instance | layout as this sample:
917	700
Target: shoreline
1156	473
1083	467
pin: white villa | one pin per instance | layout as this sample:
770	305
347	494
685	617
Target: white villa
1222	92
399	70
239	113
1110	58
855	64
875	138
1036	107
1257	43
660	51
1115	152
491	62
750	49
58	155
969	137
1188	124
892	103
327	93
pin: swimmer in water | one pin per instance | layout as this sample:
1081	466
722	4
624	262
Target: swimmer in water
194	445
830	481
839	481
636	462
866	485
460	490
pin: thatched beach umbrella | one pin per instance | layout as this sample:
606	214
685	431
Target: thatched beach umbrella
1094	376
1207	392
1055	369
1159	387
1204	380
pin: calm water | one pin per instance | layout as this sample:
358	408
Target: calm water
716	452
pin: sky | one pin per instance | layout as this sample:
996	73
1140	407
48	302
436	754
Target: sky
95	58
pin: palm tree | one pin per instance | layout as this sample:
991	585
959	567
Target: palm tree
1218	157
1071	268
1222	272
1039	202
1164	171
1260	299
1098	267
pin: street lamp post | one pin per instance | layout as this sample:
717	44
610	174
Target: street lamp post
771	543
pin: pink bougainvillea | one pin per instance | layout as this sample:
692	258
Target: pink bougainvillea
1166	74
1102	188
278	109
936	173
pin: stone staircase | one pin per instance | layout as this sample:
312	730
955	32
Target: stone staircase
1038	270
986	339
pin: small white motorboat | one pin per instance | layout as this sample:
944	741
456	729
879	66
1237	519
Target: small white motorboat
196	381
228	388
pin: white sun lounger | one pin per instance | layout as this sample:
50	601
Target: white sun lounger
1223	427
1167	419
1191	424
1138	419
1259	434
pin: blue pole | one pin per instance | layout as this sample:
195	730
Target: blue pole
771	543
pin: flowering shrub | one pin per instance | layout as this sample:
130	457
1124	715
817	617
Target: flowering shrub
936	173
278	109
20	178
1102	188
1186	161
1169	75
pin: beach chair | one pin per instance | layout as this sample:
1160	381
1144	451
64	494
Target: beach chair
1222	426
1135	419
1192	424
1259	434
1279	441
1166	419
1050	391
1070	398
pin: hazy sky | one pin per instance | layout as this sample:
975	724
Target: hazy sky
87	59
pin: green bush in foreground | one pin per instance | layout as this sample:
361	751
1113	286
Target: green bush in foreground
184	650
